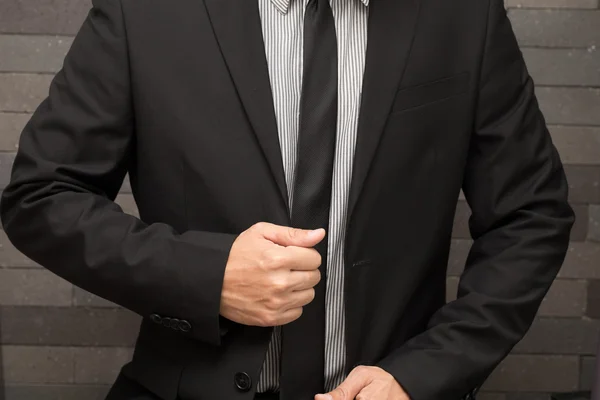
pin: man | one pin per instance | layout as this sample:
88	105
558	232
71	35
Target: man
296	166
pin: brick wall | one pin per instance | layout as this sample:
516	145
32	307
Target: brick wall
60	343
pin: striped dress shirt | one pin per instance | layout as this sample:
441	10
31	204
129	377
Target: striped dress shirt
282	25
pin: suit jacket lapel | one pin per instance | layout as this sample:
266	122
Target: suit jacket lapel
391	29
238	29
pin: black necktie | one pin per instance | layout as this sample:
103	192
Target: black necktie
303	341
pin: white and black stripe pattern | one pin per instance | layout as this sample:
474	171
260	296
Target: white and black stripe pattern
282	25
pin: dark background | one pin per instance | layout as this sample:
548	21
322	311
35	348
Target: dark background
60	343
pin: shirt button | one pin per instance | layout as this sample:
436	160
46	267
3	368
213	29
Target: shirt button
242	381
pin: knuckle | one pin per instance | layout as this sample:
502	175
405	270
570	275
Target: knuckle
277	258
275	303
279	284
261	321
313	279
269	319
263	263
259	226
294	314
360	369
272	258
318	277
293	233
314	260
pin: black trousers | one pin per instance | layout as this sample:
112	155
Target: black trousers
126	389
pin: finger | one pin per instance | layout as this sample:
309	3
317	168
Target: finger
300	299
286	236
301	259
302	280
368	393
281	318
350	388
289	316
291	259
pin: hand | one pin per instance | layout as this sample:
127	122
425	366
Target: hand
270	275
367	383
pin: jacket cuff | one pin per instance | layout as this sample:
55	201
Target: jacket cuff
201	258
426	374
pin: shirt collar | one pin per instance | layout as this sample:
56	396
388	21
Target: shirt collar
284	5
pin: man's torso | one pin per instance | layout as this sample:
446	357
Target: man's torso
207	134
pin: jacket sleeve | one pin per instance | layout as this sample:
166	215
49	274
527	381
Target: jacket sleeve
521	221
58	208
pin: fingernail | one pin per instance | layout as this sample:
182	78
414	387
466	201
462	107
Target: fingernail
314	233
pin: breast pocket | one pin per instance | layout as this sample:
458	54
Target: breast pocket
430	92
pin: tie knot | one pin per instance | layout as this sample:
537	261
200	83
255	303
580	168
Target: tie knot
317	3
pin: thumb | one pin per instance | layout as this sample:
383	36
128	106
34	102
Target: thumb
348	389
287	236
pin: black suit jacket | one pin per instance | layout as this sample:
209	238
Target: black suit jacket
178	95
596	378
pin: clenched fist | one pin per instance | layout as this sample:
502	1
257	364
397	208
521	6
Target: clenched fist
270	275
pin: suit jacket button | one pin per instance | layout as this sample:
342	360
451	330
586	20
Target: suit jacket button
185	326
156	318
242	381
166	321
